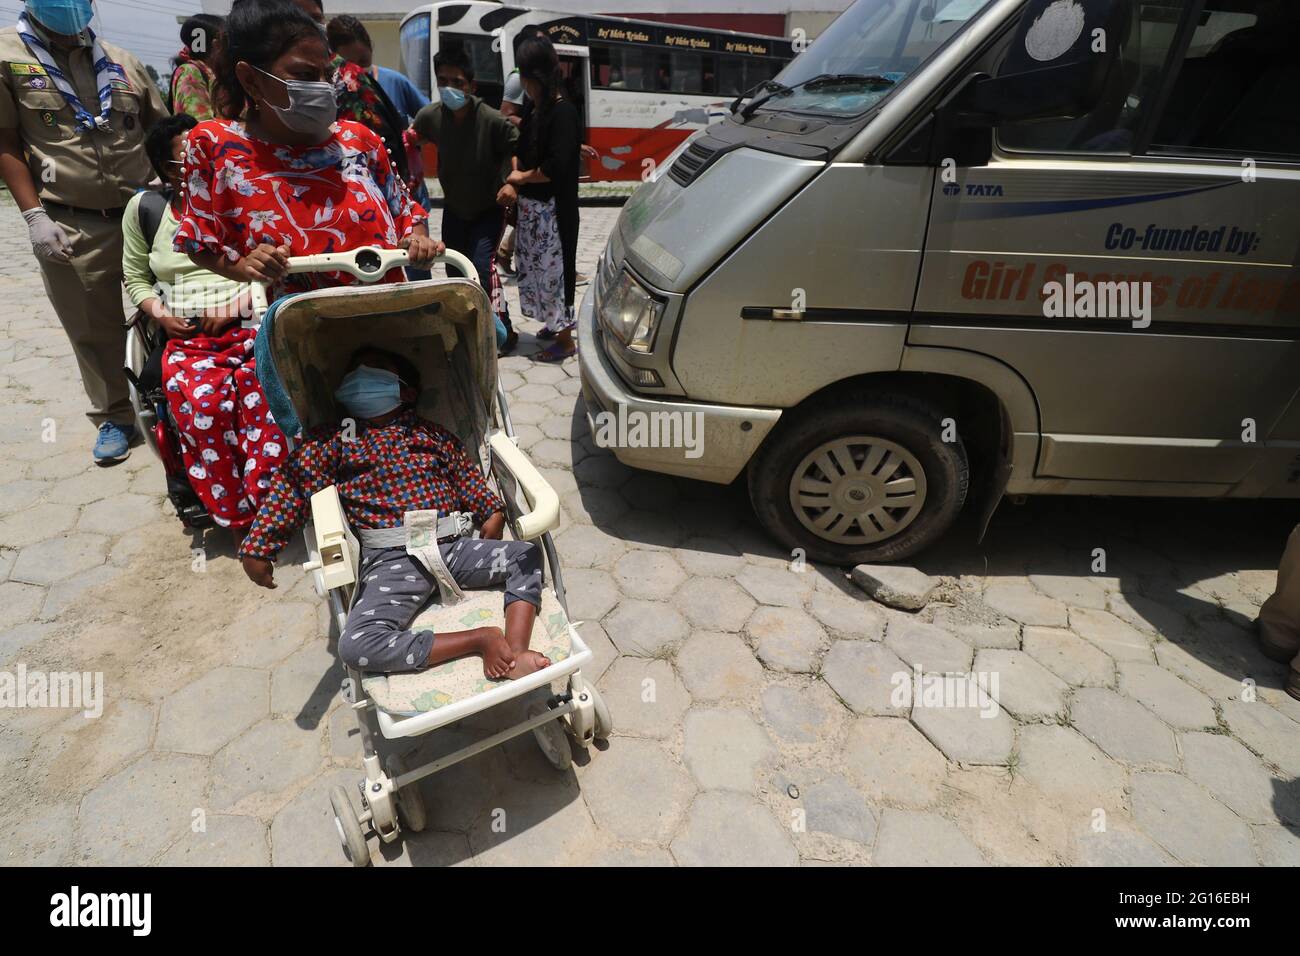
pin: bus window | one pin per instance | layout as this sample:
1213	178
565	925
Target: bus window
683	73
616	67
731	75
488	78
415	52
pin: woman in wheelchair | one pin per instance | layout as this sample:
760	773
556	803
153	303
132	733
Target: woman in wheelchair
386	465
203	360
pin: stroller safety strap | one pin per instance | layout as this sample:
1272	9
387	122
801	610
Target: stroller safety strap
458	524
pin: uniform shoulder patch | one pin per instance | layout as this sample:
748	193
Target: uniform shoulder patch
26	69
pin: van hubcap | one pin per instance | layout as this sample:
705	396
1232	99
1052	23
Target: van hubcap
857	490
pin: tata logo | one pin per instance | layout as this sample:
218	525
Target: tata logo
951	189
983	189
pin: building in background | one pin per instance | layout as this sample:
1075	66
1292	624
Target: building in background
772	17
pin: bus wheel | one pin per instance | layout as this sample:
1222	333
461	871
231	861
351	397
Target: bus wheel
864	479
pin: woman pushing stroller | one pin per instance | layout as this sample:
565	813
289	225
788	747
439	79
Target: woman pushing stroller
393	465
285	179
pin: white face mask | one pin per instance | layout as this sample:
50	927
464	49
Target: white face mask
312	107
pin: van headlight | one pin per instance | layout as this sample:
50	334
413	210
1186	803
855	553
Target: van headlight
629	312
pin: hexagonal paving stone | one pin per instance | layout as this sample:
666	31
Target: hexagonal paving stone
645	628
1118	845
305	684
1076	590
259	766
66	594
1174	701
1022	603
867	677
800	714
781	587
602	471
1024	687
709	557
591	594
1069	657
118	514
17	495
1185	820
19	604
535	824
625	855
931	649
714	665
916	838
81	752
56	559
204	716
1265	731
139	810
1237	779
224	841
645	697
653	575
1004	636
1120	640
968	726
786	639
732	829
1064	764
38	523
44	832
1278	846
635	791
602	648
271	633
714	603
1186	662
833	806
585	546
649	530
1122	727
724	748
894	762
846	617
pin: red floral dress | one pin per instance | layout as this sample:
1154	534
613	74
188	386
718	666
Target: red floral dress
239	192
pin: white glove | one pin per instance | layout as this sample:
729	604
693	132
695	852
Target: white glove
49	241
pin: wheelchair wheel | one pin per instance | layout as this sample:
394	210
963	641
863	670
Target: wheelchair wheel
410	801
551	739
349	827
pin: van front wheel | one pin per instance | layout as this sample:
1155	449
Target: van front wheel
866	479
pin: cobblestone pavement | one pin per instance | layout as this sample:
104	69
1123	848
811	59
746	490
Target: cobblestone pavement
755	720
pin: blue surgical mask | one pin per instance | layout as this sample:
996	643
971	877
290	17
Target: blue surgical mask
370	392
451	97
67	17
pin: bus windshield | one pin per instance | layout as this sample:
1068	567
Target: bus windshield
869	49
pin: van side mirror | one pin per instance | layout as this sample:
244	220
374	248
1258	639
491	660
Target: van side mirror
1058	66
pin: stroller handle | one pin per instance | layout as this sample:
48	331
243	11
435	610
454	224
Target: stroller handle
368	263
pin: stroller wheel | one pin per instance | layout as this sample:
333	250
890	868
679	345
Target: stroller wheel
604	722
552	739
349	827
410	801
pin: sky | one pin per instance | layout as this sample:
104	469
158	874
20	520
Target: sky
147	28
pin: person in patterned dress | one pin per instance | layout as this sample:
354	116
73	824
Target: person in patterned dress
391	462
192	77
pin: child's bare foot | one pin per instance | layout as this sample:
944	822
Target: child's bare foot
528	662
498	658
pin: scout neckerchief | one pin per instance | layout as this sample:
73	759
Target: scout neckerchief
106	74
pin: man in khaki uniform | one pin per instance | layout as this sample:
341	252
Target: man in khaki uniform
72	182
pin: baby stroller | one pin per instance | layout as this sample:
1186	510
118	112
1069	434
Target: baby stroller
446	328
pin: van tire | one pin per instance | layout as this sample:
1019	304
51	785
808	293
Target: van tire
910	424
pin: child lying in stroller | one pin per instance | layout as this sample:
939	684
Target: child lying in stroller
390	462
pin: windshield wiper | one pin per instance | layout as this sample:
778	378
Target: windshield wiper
763	85
822	79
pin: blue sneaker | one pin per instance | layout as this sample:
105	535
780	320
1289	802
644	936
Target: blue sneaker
113	443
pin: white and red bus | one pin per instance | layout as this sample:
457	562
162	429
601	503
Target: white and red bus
642	87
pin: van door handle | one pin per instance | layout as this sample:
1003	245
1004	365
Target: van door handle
787	315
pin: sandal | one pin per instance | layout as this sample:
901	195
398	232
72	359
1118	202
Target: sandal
556	353
546	334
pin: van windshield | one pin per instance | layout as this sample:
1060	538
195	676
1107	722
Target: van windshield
869	49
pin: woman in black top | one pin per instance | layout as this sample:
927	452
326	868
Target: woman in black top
545	184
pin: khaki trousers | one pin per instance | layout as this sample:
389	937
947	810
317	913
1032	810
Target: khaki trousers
1279	617
87	296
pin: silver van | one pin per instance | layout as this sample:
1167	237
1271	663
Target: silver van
966	248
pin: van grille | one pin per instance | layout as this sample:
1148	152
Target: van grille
691	163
